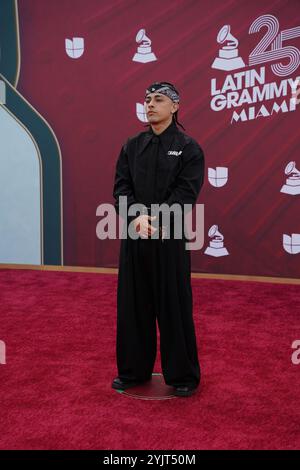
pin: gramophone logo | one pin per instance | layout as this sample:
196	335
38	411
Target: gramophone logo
218	176
141	113
74	47
291	243
144	52
216	245
292	183
228	54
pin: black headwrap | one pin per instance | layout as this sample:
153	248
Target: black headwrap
165	88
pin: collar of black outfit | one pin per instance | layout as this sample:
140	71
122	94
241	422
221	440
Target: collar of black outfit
166	134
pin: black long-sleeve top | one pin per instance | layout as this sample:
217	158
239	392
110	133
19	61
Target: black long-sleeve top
166	168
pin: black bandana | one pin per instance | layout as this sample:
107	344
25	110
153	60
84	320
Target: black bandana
164	88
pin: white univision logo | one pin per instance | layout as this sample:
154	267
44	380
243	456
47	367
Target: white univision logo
291	243
140	112
74	47
218	177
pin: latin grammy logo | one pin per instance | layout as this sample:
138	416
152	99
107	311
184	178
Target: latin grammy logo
216	245
292	183
228	55
144	52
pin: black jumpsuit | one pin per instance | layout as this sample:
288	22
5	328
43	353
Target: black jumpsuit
154	279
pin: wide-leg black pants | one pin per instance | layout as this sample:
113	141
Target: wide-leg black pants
154	282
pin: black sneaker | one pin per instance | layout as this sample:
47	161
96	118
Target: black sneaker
184	391
120	384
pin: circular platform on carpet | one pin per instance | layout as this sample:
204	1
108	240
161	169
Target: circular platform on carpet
156	389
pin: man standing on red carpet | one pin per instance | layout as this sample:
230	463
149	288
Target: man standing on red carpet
160	166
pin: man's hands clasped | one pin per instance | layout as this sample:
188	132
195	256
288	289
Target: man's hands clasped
145	229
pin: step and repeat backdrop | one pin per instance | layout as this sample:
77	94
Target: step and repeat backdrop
73	75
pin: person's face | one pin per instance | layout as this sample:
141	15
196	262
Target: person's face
159	108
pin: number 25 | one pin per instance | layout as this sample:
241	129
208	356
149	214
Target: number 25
260	55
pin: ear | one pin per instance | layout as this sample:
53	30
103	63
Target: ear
175	107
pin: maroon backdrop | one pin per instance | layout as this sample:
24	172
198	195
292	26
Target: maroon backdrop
90	104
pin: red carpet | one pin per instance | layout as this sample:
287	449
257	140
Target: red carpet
59	329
